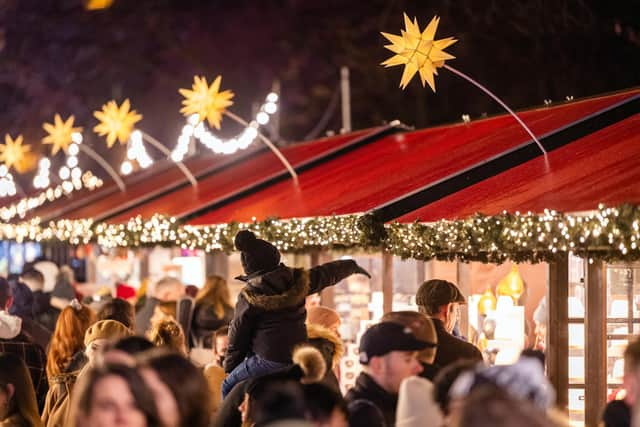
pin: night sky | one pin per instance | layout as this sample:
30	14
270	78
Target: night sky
57	57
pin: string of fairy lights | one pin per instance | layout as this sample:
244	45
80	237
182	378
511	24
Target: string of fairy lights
117	123
609	234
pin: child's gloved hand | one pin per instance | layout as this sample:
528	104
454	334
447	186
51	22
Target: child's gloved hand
360	270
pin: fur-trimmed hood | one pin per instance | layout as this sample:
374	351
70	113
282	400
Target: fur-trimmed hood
277	289
315	331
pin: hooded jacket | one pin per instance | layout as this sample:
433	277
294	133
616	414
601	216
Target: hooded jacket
12	340
270	314
331	348
368	389
451	349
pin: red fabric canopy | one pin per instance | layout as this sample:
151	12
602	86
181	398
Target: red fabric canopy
397	165
242	176
603	167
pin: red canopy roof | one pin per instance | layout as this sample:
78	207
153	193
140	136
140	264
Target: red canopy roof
603	167
396	166
443	172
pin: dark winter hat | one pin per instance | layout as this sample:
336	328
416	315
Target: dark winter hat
435	293
385	337
257	255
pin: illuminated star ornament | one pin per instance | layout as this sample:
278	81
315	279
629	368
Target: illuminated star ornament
60	134
418	51
116	123
206	101
12	152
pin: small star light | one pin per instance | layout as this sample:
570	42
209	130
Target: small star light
12	152
116	122
206	101
418	51
59	133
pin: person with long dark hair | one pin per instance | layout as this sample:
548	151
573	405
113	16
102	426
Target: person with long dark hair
212	311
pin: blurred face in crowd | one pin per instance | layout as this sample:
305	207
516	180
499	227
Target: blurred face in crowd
391	369
165	402
452	315
222	343
95	349
113	404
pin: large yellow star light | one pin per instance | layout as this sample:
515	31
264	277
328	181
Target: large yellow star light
206	101
116	122
418	51
12	152
59	133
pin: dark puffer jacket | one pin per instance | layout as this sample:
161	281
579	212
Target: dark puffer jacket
270	314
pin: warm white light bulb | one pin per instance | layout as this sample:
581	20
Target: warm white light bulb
262	118
270	107
64	172
74	149
126	168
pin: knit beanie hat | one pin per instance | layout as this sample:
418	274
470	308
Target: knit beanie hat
257	255
106	329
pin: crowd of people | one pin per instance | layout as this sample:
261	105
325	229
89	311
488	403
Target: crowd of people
273	361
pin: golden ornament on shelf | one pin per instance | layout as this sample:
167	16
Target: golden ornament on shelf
487	302
206	101
59	133
12	152
511	285
116	122
418	51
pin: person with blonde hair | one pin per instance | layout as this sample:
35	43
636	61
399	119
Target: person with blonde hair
168	333
212	311
18	405
323	334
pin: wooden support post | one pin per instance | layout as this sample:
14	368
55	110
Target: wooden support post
595	343
557	348
387	282
463	281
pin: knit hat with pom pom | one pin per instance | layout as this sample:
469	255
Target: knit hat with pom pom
258	256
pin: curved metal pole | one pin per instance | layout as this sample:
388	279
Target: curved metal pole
499	101
151	140
105	165
269	144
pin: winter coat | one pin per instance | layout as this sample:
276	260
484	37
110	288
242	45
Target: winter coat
331	348
214	375
43	312
270	314
366	388
228	414
13	341
451	349
57	406
206	322
15	420
143	317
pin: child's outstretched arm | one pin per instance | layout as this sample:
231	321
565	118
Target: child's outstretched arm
241	332
331	273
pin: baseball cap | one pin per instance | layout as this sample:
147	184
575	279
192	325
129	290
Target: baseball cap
385	337
435	293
